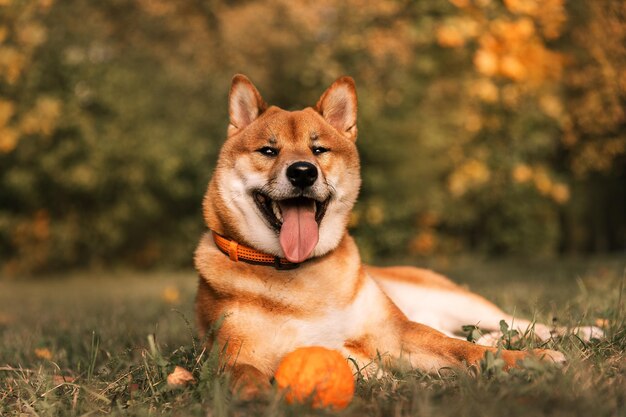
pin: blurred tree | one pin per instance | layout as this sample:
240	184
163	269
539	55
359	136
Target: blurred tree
28	117
593	125
119	178
527	112
484	125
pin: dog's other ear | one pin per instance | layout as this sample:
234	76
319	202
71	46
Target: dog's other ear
338	106
245	104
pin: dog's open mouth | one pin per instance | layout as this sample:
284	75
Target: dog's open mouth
297	220
273	209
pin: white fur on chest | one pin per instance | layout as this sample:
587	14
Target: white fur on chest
268	337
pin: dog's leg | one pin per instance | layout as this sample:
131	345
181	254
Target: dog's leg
391	335
430	350
432	299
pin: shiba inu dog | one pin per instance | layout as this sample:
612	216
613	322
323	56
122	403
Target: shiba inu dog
280	269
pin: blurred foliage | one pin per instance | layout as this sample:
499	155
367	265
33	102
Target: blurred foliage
485	125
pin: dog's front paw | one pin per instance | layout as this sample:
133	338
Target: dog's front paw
516	358
248	390
248	382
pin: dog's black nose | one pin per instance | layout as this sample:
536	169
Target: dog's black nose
302	174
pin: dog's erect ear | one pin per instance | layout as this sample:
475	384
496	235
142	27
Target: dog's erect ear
338	106
245	104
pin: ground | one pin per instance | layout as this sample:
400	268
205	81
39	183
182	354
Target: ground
90	343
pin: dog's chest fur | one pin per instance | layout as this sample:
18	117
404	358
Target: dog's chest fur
270	314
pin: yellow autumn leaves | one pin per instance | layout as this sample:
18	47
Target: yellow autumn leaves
17	45
171	295
8	134
474	173
512	62
41	119
19	41
512	49
549	14
540	179
43	353
470	174
512	46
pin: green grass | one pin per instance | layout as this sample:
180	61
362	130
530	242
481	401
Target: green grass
114	337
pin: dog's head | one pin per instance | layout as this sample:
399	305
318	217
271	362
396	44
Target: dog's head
286	181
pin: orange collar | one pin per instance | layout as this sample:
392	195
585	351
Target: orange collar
237	252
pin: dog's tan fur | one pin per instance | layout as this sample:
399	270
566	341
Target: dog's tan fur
331	299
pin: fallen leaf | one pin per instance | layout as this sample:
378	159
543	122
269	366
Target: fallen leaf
43	353
180	377
61	379
6	319
171	295
602	323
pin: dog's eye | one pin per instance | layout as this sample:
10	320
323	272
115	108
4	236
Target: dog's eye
268	151
318	150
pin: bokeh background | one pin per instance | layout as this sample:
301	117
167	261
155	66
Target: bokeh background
492	127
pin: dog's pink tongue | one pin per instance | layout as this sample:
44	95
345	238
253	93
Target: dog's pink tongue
299	234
